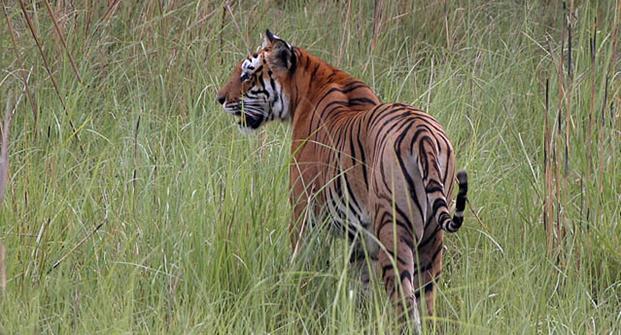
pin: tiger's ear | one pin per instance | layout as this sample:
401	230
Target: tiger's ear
281	53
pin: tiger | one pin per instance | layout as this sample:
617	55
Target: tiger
381	172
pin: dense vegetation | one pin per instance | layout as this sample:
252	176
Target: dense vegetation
134	205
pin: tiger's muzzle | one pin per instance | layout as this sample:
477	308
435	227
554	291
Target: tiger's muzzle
249	115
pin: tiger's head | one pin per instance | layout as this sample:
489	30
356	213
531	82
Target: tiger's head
256	91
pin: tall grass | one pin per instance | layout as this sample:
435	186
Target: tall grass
133	204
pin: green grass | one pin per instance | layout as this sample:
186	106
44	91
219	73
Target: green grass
194	214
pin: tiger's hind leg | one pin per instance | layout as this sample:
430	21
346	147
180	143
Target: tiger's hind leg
396	263
430	252
399	207
429	267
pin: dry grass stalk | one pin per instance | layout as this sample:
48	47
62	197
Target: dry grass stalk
110	11
113	5
548	199
569	23
88	12
13	34
61	37
40	47
378	13
601	140
135	173
263	141
245	37
4	172
446	26
4	145
593	50
2	269
60	260
34	255
222	19
566	87
49	71
345	35
557	141
555	168
605	103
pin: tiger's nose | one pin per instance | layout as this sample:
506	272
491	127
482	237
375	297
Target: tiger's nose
221	99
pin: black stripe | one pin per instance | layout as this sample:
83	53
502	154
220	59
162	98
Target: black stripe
408	179
429	265
430	238
427	288
361	101
394	256
362	156
405	275
434	186
386	268
314	72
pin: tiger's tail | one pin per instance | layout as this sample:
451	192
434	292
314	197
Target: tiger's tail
453	225
437	199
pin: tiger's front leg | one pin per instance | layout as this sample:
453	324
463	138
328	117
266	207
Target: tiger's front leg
302	178
298	224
